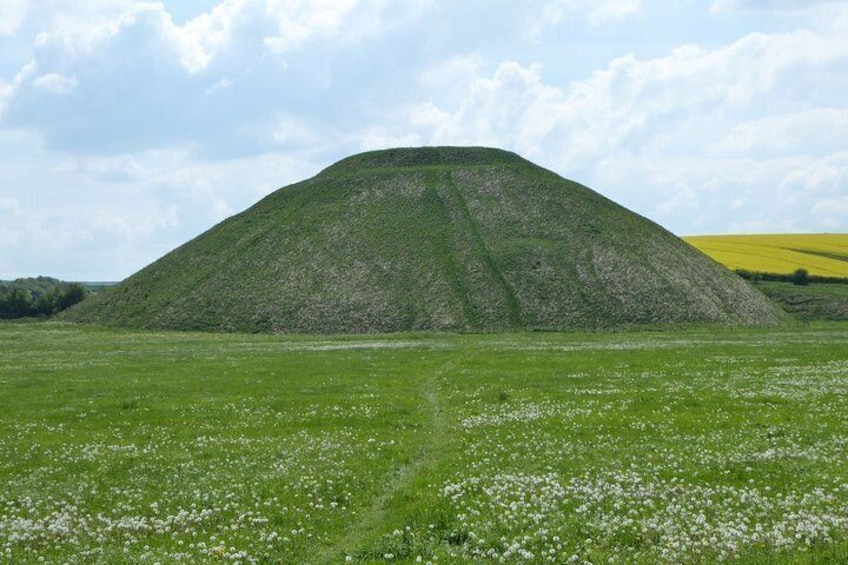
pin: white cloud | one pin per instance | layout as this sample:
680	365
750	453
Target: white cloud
78	27
78	32
10	207
194	44
684	197
773	6
140	79
12	15
102	220
9	90
823	14
207	34
56	83
832	213
299	21
379	138
596	12
511	108
293	132
126	210
796	132
111	169
818	178
612	11
450	78
428	115
134	76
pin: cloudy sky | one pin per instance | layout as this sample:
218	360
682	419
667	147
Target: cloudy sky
127	127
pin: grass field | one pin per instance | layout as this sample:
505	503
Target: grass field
821	254
811	302
132	447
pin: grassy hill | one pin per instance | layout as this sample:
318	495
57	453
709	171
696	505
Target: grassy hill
430	238
824	255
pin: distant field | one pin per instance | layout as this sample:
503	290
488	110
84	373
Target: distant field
813	302
821	254
678	448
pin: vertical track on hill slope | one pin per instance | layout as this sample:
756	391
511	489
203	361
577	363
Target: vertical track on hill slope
447	252
494	271
372	521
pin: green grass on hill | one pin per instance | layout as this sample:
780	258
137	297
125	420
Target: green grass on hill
812	302
430	238
686	448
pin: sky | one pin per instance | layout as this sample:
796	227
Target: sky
127	128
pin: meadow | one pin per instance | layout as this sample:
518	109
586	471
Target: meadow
821	254
121	446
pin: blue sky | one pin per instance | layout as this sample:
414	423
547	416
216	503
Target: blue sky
127	128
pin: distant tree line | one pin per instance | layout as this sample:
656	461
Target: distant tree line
801	277
38	297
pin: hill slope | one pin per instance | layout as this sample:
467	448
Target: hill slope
430	238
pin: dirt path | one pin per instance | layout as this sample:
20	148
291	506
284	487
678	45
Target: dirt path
373	521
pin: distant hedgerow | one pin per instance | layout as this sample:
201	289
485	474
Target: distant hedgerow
38	297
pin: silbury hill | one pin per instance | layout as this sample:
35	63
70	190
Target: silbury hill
437	238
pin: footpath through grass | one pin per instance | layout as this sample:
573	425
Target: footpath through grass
139	447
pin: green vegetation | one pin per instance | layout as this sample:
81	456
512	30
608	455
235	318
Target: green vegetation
38	297
461	239
811	302
690	447
798	278
801	277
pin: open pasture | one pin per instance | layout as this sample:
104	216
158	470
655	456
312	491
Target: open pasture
820	254
692	447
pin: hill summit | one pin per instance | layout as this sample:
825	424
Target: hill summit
434	238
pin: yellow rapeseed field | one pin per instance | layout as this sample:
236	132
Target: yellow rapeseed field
823	254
